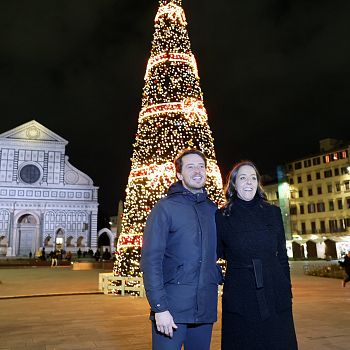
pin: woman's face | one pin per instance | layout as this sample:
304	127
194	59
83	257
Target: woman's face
246	182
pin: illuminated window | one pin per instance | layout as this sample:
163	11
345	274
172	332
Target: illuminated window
335	156
327	159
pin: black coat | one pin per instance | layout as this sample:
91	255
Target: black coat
179	257
257	289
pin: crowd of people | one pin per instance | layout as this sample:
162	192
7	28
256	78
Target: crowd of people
57	255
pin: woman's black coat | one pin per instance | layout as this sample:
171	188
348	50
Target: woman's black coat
257	282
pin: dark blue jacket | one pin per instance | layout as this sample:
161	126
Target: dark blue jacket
179	256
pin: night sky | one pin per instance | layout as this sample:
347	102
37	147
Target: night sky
275	76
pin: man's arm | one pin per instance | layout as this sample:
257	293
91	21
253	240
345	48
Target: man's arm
153	249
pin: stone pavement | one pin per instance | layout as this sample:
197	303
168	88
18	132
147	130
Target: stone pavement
66	314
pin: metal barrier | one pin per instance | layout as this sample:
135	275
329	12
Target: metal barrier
110	284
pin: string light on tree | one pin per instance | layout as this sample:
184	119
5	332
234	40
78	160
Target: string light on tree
172	118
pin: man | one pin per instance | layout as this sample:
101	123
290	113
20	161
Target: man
179	260
346	265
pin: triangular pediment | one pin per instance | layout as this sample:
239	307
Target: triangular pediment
32	131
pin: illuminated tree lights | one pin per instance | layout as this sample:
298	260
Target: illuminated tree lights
172	118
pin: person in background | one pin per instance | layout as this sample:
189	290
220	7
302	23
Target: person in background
346	265
178	260
257	297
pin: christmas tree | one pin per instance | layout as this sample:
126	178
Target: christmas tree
172	118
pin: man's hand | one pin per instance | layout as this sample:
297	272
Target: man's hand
165	323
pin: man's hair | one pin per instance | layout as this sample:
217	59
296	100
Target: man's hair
178	159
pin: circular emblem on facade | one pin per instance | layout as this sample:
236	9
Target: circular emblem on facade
71	177
33	132
30	173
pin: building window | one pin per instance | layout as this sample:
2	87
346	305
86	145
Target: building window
311	208
320	207
331	205
307	163
316	161
333	226
299	179
326	159
291	181
309	191
336	172
337	186
322	227
293	210
343	170
318	175
297	165
340	204
329	188
301	208
347	222
348	203
347	185
319	190
303	228
308	177
313	227
328	173
300	193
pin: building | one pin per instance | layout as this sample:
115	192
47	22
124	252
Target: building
314	196
45	202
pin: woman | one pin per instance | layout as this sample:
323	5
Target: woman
257	298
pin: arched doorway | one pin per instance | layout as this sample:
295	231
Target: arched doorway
311	249
28	238
331	249
298	250
104	242
59	240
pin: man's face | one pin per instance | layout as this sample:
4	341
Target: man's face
246	183
193	173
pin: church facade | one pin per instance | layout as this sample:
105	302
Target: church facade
45	202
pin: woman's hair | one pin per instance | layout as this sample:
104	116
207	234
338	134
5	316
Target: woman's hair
230	188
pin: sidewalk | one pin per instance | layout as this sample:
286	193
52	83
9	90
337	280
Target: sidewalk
96	321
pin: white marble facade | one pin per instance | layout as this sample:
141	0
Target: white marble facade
44	200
